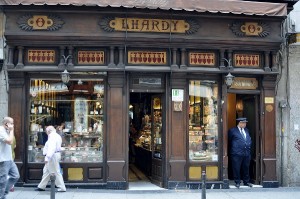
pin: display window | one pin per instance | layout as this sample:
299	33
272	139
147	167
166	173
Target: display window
203	121
76	110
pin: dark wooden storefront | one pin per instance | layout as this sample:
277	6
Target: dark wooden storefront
223	38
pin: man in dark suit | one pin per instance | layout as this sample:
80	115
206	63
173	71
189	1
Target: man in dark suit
240	152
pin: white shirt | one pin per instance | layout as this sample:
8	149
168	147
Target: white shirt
5	149
52	146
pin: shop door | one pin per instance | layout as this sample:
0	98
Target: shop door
247	105
251	111
157	140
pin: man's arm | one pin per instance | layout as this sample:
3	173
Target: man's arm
10	139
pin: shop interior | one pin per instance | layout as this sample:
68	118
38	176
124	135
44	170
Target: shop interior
75	109
145	134
245	105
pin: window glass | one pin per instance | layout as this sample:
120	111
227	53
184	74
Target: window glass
203	127
75	110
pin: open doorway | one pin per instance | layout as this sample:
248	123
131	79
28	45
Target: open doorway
146	138
246	105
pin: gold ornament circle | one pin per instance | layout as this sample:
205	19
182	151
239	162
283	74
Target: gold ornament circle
269	108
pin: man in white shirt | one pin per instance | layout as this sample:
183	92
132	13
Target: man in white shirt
7	165
52	157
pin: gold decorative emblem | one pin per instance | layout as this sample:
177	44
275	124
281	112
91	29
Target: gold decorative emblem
149	25
40	22
269	108
258	29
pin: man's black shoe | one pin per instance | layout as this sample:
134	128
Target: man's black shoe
237	185
39	189
248	185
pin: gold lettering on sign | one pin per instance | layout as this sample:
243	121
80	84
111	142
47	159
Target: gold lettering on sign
41	56
251	29
269	100
149	25
90	57
244	83
40	22
147	57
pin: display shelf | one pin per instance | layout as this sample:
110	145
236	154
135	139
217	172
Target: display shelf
38	117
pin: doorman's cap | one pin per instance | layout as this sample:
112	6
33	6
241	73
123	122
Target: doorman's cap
241	119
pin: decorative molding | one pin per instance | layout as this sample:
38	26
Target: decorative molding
202	59
111	24
147	57
254	29
40	22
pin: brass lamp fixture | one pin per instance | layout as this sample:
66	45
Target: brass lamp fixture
229	79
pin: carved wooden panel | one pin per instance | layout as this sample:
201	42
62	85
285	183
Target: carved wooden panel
202	59
90	57
41	56
246	60
147	57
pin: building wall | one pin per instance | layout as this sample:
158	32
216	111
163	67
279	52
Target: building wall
293	171
288	104
3	96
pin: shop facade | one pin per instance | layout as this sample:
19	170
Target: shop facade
93	72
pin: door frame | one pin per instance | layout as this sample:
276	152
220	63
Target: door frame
155	90
258	141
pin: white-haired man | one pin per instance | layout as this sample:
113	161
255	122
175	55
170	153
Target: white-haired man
52	157
7	165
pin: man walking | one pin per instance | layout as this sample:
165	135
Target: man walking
7	165
240	151
52	157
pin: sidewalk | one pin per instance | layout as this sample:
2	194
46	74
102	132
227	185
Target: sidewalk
242	193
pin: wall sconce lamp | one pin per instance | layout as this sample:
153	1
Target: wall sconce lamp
65	76
229	79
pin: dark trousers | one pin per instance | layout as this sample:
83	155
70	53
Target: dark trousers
240	168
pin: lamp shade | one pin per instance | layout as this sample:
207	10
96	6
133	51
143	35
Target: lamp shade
65	76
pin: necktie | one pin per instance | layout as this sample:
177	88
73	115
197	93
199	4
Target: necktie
243	133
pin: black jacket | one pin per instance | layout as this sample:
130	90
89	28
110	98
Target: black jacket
238	145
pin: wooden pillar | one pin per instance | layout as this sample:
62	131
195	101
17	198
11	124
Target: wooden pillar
111	57
275	67
176	136
70	53
20	57
222	57
117	135
121	57
183	58
267	61
17	110
269	177
10	61
174	58
230	60
61	58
